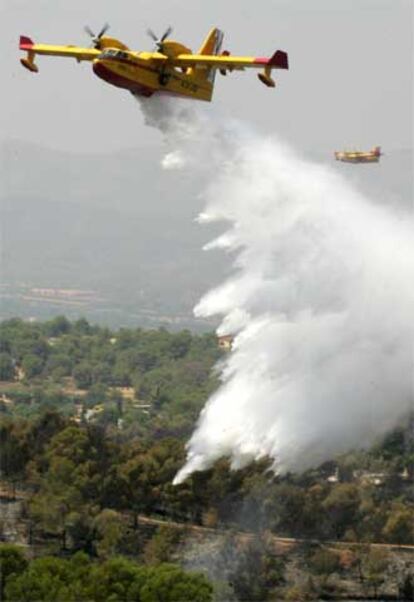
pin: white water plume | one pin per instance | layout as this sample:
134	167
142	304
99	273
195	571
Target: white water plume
321	302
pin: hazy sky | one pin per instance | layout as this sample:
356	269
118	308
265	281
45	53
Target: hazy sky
350	83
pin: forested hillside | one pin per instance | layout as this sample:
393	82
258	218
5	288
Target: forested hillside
93	430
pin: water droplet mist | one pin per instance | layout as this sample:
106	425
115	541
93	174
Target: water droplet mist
320	302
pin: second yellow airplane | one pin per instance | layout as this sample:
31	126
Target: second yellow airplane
171	69
372	156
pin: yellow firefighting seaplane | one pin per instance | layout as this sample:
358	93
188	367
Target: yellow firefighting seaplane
372	156
171	68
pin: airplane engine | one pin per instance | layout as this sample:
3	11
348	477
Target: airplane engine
224	71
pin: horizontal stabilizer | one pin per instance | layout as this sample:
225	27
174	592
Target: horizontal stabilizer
29	65
266	80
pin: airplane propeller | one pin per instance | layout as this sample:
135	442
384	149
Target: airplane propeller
96	38
159	41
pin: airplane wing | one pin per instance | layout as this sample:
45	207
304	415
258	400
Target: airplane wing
279	60
225	62
77	52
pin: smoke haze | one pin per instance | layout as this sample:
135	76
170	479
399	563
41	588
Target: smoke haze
321	300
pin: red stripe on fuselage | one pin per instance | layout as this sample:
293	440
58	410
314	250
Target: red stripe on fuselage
279	60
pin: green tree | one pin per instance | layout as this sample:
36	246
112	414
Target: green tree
46	579
83	375
96	394
147	476
50	512
323	562
162	545
58	326
285	505
112	580
25	340
399	528
180	344
72	477
6	367
375	566
12	564
32	365
170	583
82	327
110	529
44	428
16	448
59	365
341	506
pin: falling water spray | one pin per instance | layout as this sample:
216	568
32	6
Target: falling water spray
320	302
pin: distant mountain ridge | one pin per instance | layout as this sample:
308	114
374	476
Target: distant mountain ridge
120	225
115	223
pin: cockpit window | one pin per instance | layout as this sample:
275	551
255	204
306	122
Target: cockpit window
113	53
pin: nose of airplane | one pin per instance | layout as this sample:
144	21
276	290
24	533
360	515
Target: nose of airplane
107	70
101	70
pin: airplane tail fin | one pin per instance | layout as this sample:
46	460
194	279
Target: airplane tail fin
211	45
26	43
377	151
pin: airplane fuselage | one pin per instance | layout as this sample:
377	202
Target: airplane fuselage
357	159
372	156
136	74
